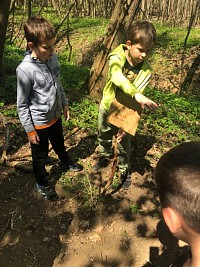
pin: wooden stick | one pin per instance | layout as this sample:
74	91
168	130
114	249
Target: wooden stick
114	165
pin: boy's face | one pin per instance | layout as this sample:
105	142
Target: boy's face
44	50
136	53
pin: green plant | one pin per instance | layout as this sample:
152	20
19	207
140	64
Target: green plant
8	83
72	76
176	120
88	194
134	209
84	114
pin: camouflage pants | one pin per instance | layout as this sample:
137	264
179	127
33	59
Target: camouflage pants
106	132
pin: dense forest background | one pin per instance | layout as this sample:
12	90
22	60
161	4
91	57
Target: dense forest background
174	11
14	12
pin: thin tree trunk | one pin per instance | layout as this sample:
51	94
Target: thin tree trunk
120	21
29	9
4	13
58	27
192	18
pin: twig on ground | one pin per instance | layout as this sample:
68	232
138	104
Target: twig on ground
13	192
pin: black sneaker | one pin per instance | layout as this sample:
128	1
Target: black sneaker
101	163
47	192
70	166
126	180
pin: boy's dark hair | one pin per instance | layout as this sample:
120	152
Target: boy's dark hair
177	177
38	29
142	32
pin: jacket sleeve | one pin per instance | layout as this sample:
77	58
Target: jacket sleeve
23	92
117	77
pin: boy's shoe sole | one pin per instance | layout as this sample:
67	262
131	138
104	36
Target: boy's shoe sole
47	192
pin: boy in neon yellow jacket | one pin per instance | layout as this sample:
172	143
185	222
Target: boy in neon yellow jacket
129	71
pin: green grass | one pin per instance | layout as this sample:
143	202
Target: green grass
172	38
8	82
72	76
84	114
176	120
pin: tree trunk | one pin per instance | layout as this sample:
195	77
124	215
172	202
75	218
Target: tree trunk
192	18
122	18
4	13
29	9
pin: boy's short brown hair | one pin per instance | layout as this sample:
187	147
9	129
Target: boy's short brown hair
38	29
177	177
143	33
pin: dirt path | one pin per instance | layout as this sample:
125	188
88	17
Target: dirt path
124	231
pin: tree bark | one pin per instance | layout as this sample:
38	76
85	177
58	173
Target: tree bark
192	18
29	9
123	15
4	13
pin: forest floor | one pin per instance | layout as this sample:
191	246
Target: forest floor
124	229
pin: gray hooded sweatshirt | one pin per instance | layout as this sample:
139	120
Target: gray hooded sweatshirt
40	96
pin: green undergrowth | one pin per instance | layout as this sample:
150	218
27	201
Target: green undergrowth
8	82
172	38
176	120
84	115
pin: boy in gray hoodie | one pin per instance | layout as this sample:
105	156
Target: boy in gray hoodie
40	101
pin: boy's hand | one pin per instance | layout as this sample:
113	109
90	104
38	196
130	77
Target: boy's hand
145	101
34	138
120	135
66	112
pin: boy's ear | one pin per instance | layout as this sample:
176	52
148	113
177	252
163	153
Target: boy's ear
128	44
31	45
172	219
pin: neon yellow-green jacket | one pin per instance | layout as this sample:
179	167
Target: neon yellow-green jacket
116	77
